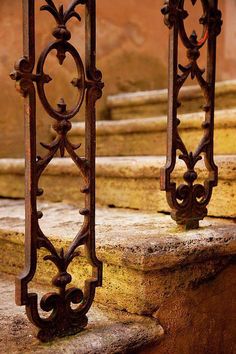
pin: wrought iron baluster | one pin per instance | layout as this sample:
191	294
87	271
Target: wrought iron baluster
63	320
189	200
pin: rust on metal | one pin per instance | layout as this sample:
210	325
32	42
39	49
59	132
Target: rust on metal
63	319
189	200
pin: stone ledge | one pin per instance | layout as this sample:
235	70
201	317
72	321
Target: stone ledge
155	96
108	331
152	103
142	241
147	136
126	167
224	118
137	177
146	258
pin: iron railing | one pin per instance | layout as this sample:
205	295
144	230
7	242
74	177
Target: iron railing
190	199
63	318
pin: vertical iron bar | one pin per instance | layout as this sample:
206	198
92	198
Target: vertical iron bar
172	106
25	69
94	92
211	74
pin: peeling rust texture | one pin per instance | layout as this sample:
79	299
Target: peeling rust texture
63	319
188	201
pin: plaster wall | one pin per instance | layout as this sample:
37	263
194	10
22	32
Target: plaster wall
132	53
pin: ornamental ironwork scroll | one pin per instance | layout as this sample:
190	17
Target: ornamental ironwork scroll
189	200
68	306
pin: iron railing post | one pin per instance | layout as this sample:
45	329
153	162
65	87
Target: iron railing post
63	320
189	200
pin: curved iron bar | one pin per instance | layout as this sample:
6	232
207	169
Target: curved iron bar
62	319
189	200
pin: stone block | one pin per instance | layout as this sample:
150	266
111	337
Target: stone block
125	182
148	136
146	257
154	103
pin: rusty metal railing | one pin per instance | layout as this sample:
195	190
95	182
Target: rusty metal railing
189	200
63	319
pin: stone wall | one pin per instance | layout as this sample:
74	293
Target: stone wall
132	53
201	320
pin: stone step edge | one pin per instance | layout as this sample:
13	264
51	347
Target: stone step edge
128	244
124	167
161	96
108	332
191	121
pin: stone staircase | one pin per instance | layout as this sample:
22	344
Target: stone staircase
154	285
156	275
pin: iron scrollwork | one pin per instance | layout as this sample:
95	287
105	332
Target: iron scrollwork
63	319
189	200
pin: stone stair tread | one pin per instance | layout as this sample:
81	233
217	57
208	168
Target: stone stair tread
154	96
122	166
134	239
137	176
225	118
152	103
147	136
108	331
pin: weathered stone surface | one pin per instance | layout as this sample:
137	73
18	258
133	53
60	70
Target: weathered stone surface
153	103
136	177
147	136
108	331
201	320
146	258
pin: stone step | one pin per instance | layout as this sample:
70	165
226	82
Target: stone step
134	246
128	182
154	103
150	268
147	136
108	331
